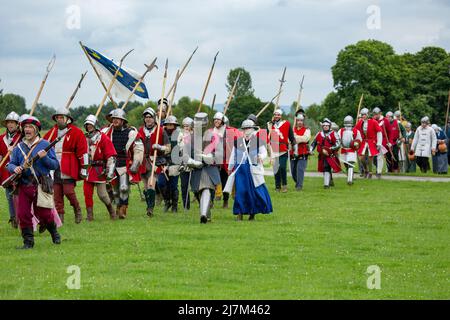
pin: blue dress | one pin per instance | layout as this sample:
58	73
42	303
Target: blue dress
248	199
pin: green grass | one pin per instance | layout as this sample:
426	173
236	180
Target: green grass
316	245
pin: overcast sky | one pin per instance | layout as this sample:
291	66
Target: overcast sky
262	36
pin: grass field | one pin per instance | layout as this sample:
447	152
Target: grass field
317	244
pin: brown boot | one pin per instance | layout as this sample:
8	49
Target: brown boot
123	212
225	204
90	214
78	216
112	212
118	210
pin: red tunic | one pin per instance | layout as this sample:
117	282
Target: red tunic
279	138
370	137
4	173
327	143
148	146
104	149
73	151
302	148
393	132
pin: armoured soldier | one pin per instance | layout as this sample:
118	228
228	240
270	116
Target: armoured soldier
102	160
7	141
73	162
327	145
130	151
148	132
350	143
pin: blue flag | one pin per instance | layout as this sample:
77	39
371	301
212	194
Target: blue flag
124	77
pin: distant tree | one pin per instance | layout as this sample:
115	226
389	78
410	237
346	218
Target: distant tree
244	86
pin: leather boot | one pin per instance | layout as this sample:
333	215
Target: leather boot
90	214
122	212
78	216
175	195
284	189
56	238
225	204
111	211
150	200
28	238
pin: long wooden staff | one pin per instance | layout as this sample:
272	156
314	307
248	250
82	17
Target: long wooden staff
49	68
141	79
282	81
172	98
268	104
299	94
98	75
231	95
181	72
359	105
152	177
111	83
213	102
207	83
446	116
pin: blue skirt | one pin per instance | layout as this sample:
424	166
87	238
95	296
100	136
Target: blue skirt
248	199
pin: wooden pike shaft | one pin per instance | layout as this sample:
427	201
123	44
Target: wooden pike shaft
282	81
181	72
299	94
111	84
231	95
213	102
98	75
69	102
172	98
36	99
141	79
359	105
268	104
446	115
207	83
152	177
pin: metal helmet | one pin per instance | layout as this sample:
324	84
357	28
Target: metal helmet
226	121
279	111
253	118
108	116
63	112
326	122
12	116
389	114
201	118
364	111
150	112
218	116
164	105
119	114
334	126
348	121
248	124
376	110
31	120
91	119
397	113
171	120
300	116
188	122
408	125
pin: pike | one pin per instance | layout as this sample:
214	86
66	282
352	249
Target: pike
149	67
446	115
49	68
152	177
98	75
172	98
213	102
207	83
181	72
359	105
282	81
268	104
231	95
300	94
111	83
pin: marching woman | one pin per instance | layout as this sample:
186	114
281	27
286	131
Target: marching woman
246	164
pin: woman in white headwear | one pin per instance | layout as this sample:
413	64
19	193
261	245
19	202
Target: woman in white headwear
440	164
246	162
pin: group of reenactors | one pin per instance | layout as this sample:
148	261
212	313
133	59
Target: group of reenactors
206	160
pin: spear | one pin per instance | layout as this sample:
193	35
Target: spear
359	105
181	72
207	83
152	177
98	75
268	104
300	93
282	81
231	95
111	83
141	79
69	102
49	68
172	98
446	116
213	102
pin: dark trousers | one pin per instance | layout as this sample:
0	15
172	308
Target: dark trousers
423	163
68	190
298	168
279	169
392	162
169	187
10	199
223	181
184	177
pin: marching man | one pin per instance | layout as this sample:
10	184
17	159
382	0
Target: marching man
300	151
7	141
72	155
384	148
327	144
350	143
102	160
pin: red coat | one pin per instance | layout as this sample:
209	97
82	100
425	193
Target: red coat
302	147
4	173
103	149
74	150
327	143
393	132
148	146
279	138
370	138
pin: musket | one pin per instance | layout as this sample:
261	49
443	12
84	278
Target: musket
268	104
47	72
149	68
282	81
172	97
98	75
231	95
181	72
207	83
29	162
152	177
111	83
